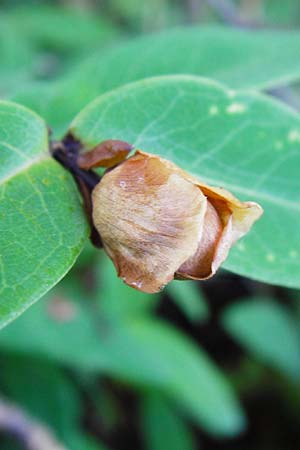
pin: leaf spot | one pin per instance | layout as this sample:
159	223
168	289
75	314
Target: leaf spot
213	110
270	257
241	246
231	93
236	108
293	254
294	136
278	145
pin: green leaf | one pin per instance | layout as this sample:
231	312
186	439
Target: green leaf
141	351
244	142
163	429
268	331
280	13
260	59
189	298
78	30
151	353
143	16
43	227
239	58
16	56
31	50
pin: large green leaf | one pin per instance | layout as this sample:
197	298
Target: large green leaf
42	223
260	59
244	142
240	58
140	351
268	331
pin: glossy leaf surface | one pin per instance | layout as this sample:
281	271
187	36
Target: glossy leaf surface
239	58
42	222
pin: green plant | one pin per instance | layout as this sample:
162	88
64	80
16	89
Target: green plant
219	130
208	113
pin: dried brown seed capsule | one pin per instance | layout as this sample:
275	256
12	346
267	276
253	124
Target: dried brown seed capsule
157	222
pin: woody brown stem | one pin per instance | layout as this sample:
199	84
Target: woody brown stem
66	152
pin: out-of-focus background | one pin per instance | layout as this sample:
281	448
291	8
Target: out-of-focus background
96	365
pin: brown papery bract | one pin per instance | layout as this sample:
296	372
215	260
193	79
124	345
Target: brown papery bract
107	154
158	222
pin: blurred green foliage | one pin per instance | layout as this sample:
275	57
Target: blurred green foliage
102	365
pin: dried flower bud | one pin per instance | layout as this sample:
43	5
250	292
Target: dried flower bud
157	222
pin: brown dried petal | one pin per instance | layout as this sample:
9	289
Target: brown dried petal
199	266
235	220
106	154
150	219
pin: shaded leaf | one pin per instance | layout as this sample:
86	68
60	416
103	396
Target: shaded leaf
189	298
163	429
16	56
78	30
242	59
267	330
140	351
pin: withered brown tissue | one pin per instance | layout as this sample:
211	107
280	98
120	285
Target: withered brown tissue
157	222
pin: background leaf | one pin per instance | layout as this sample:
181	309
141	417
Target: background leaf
268	331
163	428
189	298
79	29
30	49
116	300
42	223
16	56
244	142
140	351
239	58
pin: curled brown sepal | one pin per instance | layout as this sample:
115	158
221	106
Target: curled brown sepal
106	154
158	222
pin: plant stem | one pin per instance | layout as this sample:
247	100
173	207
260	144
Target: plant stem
66	153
